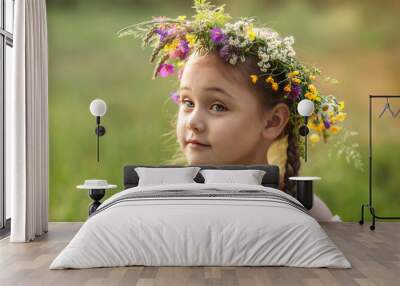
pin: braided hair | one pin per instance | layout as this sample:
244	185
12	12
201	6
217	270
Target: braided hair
293	162
269	99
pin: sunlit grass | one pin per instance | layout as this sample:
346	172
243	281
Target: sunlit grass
88	61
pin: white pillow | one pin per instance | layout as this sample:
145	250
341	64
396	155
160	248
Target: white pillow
249	177
162	176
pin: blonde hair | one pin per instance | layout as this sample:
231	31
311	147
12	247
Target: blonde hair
277	155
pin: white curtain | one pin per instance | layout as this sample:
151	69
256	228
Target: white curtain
27	123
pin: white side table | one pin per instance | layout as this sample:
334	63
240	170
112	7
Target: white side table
97	189
304	190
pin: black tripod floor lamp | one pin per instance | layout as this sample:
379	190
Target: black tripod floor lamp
370	201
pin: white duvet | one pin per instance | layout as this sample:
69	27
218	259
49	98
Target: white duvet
183	231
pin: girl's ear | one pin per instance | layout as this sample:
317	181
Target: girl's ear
275	121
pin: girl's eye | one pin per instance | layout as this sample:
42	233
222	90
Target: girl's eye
218	107
187	103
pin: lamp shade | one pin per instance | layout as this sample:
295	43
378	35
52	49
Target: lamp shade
98	107
305	107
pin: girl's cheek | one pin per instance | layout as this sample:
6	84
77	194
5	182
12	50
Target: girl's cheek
227	129
182	117
180	125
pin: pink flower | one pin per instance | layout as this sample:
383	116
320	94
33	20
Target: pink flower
165	70
181	51
174	97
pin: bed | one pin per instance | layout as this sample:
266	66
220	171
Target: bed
201	224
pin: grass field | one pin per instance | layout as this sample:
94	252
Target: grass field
88	61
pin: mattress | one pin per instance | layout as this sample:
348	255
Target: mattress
197	224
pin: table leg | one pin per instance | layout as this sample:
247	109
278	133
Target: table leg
304	193
96	195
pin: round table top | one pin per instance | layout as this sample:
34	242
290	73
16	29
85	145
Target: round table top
304	178
86	187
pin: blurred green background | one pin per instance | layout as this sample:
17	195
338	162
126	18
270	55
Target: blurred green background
356	42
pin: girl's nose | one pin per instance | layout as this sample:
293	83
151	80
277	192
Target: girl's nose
195	121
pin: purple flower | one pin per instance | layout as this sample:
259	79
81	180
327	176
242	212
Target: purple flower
162	33
225	52
296	92
165	70
183	46
174	97
327	124
181	51
217	36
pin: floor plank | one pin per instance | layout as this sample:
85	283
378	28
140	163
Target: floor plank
374	255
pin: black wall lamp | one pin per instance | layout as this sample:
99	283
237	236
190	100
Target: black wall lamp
305	109
98	108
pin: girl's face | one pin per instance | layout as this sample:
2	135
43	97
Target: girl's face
221	114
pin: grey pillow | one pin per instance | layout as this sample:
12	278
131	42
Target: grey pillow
162	176
249	177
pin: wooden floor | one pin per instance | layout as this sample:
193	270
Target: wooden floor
374	255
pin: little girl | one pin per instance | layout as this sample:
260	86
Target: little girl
239	87
223	119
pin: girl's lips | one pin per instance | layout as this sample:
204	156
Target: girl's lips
196	142
193	144
196	146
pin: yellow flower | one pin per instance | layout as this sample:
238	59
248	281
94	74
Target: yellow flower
317	127
269	79
254	78
191	39
335	129
180	64
293	73
250	33
172	46
287	88
341	116
310	96
312	88
341	105
296	80
314	138
181	18
312	77
275	86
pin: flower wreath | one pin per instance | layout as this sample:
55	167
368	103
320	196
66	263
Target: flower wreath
210	30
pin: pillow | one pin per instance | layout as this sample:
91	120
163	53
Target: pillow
162	176
249	177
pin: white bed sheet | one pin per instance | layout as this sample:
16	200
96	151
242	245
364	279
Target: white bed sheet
200	231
